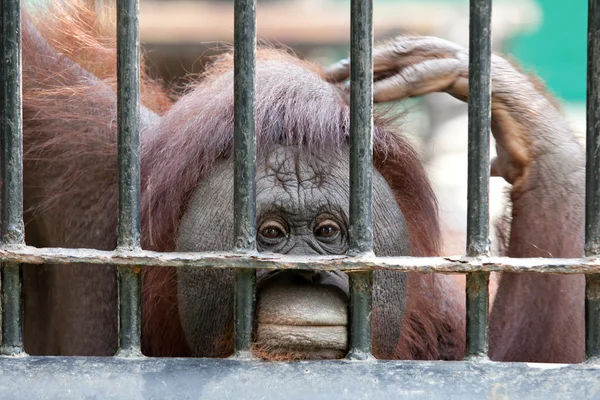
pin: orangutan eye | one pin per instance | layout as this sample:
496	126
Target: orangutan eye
272	230
327	229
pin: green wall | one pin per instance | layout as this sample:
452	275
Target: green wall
557	50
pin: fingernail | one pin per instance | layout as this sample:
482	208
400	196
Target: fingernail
398	48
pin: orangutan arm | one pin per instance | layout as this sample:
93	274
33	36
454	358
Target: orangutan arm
535	317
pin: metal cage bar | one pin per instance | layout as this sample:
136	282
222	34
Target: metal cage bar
361	171
221	260
128	119
74	376
479	111
13	230
245	168
592	201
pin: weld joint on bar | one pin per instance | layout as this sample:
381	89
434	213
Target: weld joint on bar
13	351
357	355
131	353
592	361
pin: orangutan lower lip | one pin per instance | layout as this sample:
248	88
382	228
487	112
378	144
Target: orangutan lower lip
333	337
301	320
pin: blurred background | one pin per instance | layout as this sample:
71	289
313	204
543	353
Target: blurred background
547	37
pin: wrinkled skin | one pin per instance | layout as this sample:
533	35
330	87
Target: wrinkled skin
302	209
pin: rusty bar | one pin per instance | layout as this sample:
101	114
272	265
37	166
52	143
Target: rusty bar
12	309
32	255
245	168
128	120
592	200
13	230
479	110
130	311
477	311
361	170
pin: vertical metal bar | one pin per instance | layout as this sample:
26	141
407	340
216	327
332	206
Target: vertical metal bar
128	119
12	309
130	312
13	231
12	145
245	168
361	170
477	314
479	110
592	201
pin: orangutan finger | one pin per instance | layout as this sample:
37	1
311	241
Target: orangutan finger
424	46
383	64
399	53
427	77
338	72
406	51
459	88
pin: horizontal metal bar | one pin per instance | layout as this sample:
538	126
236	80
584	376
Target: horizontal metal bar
166	378
457	264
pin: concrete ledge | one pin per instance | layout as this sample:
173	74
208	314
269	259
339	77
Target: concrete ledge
119	378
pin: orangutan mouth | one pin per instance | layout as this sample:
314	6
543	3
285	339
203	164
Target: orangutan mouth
311	324
276	341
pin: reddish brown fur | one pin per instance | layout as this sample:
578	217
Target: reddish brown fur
70	169
56	97
172	176
85	35
71	139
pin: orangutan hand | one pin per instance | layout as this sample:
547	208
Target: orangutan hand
526	124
